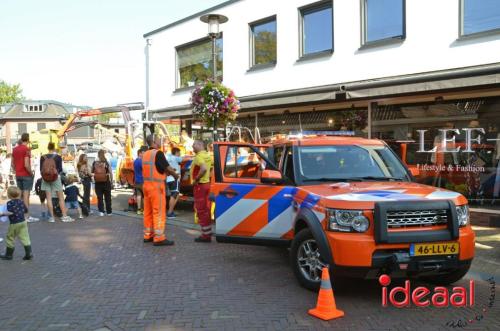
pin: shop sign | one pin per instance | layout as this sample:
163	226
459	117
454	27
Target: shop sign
447	144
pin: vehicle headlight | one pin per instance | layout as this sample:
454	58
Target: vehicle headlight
347	220
463	215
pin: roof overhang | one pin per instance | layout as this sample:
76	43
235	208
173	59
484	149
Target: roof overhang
194	16
485	77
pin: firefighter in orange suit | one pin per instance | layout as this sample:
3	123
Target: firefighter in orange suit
155	169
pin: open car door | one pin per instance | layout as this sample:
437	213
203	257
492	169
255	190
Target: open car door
252	206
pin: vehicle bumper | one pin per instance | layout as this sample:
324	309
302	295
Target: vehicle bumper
357	254
390	264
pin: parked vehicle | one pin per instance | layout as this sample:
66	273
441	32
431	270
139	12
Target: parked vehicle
343	202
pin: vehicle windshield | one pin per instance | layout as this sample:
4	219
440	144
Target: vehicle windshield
349	163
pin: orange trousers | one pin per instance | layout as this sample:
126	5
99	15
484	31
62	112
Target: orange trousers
154	211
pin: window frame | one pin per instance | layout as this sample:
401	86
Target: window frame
461	23
192	43
251	25
22	125
384	41
33	108
308	9
223	152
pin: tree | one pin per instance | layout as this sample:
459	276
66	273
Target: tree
195	63
104	118
10	93
265	47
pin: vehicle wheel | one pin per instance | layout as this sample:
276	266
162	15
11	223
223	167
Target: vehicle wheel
447	278
306	260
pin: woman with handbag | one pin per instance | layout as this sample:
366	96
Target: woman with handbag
101	171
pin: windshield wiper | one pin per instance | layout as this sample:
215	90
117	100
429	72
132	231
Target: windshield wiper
327	179
380	178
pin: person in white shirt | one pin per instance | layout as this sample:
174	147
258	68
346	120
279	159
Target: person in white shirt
5	171
175	160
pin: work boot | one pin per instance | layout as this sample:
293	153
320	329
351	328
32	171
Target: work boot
202	239
148	240
164	243
27	253
8	253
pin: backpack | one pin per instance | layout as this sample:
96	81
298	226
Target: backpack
49	169
100	173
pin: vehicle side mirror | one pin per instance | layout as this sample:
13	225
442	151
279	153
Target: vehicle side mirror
414	172
271	177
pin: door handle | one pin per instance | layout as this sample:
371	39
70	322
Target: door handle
229	193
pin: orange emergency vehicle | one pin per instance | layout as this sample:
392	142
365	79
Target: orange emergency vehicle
344	202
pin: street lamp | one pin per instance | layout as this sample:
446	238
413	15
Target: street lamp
214	21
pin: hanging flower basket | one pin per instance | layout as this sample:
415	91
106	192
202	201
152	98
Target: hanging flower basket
214	101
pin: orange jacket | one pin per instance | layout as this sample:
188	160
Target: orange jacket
149	171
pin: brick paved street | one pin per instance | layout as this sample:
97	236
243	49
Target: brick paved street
98	275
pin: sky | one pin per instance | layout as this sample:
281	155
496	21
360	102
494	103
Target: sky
83	52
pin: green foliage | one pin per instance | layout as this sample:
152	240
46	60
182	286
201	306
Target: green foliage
104	118
265	47
195	63
10	93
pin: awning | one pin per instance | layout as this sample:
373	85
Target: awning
432	86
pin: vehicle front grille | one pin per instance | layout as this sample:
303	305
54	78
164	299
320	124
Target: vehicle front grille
416	218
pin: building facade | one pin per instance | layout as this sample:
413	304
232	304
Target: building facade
422	75
33	116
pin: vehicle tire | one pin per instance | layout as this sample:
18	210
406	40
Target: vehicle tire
447	278
306	260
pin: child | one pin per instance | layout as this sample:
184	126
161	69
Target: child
18	227
71	191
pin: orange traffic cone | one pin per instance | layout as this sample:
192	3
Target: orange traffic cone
326	309
93	198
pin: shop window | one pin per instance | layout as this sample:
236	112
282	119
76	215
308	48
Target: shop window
263	42
316	28
242	162
383	20
40	126
194	62
351	121
455	144
478	16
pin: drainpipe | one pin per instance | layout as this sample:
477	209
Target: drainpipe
146	53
